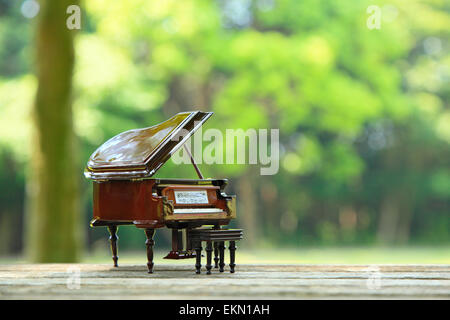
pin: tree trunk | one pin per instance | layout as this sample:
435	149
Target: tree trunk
53	204
389	220
247	207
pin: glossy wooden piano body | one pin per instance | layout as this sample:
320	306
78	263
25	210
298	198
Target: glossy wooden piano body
152	203
125	192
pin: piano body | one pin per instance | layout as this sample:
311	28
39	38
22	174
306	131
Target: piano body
124	192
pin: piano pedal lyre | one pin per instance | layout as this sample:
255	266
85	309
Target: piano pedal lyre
178	250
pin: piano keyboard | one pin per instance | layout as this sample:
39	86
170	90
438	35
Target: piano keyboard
198	210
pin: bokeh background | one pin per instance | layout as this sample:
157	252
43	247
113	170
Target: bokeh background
363	115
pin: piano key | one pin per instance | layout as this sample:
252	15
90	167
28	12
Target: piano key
198	210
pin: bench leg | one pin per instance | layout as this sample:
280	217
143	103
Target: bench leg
209	250
113	240
232	256
221	256
216	254
149	243
198	257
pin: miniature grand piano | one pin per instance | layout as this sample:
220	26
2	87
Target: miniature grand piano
126	194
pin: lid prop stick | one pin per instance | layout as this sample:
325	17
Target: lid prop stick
193	162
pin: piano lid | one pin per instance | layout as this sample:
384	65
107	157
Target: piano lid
139	153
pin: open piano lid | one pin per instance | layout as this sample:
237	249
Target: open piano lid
139	153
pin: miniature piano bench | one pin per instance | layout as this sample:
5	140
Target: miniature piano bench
214	238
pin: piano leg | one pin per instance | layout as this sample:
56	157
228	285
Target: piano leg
113	240
232	256
149	243
198	257
216	254
209	250
221	256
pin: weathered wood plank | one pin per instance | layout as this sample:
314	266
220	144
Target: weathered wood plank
50	281
242	267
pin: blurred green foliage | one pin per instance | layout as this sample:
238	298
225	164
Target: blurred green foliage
363	114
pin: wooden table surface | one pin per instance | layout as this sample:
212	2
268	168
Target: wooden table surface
99	281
